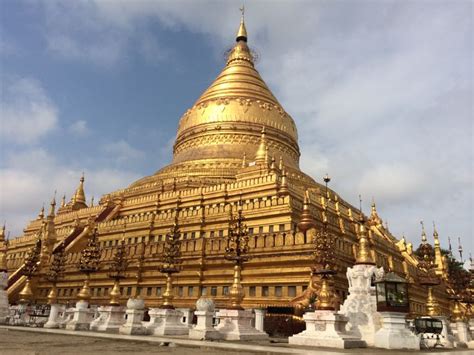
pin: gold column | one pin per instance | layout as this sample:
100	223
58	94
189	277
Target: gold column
168	294
432	305
236	292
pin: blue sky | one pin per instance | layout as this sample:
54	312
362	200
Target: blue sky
381	92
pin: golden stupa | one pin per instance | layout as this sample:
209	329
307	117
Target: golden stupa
236	143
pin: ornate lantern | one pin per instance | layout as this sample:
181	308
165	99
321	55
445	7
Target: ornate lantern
236	251
392	294
170	261
117	272
30	266
324	258
88	264
56	271
427	276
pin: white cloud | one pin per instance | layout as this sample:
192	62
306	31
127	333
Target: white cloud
122	151
32	176
27	113
79	128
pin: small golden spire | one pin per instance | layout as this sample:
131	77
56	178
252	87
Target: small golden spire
306	221
435	235
242	32
423	233
2	232
272	164
280	164
79	196
244	161
262	148
92	201
374	219
460	249
52	208
41	214
364	253
284	183
63	201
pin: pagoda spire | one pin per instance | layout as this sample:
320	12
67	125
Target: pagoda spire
242	32
374	219
2	232
79	195
63	201
435	236
41	213
52	208
424	240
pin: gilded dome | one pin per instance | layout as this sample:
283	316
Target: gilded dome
226	121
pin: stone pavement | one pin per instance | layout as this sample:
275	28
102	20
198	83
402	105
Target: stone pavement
39	341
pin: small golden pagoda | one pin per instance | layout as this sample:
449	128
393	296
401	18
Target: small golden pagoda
224	158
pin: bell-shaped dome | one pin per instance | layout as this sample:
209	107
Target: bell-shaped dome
226	121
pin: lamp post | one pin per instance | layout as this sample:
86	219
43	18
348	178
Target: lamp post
30	266
88	264
170	261
324	257
56	271
117	272
427	276
236	251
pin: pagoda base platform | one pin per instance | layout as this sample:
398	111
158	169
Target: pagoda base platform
326	329
236	324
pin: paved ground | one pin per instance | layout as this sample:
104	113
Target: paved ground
13	342
36	342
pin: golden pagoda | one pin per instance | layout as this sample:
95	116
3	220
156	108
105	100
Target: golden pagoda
224	156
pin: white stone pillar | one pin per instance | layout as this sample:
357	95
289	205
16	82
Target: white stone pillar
447	337
260	318
236	324
53	319
326	329
82	317
360	306
188	315
165	321
66	317
110	319
461	334
394	333
204	329
135	311
4	309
